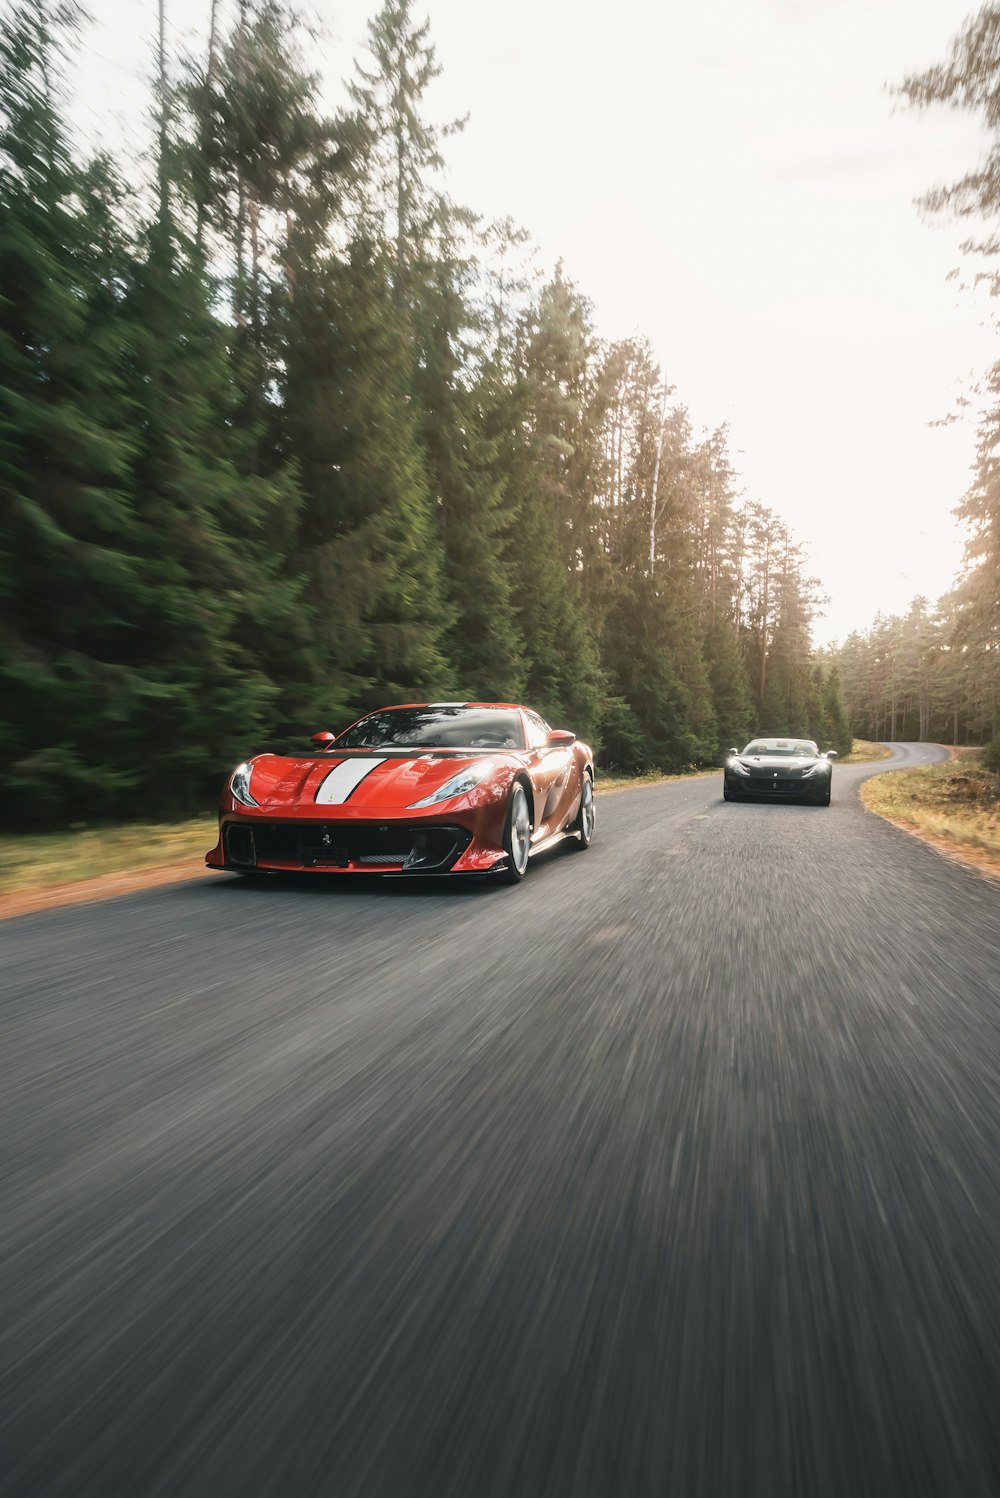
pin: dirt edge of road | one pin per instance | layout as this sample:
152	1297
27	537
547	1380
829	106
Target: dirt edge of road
101	887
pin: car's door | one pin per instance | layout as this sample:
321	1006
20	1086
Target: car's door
551	773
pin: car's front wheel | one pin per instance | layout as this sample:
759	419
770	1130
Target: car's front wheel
517	835
586	817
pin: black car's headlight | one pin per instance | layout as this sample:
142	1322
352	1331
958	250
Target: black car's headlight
737	768
820	768
466	780
239	784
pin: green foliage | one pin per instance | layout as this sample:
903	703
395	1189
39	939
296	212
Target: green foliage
730	688
369	536
647	724
456	405
563	677
991	755
836	730
280	442
69	531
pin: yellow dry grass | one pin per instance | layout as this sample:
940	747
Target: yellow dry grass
863	751
955	805
653	777
33	861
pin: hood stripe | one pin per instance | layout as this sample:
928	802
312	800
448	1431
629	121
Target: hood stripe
343	779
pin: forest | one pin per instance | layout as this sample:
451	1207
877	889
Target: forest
934	673
286	434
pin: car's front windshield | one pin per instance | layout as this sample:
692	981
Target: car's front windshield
789	747
435	728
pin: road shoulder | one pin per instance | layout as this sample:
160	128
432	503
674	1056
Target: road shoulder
950	806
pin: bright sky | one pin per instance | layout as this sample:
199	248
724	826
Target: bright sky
733	181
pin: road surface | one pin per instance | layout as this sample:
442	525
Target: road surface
675	1171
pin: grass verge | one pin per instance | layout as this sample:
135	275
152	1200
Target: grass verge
954	805
653	777
35	861
864	751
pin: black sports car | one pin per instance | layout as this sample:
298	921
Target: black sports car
779	770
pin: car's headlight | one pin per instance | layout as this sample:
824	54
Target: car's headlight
458	785
239	784
818	768
737	768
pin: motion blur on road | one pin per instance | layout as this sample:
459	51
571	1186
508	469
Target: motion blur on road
672	1171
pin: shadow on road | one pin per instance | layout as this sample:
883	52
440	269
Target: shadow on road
389	886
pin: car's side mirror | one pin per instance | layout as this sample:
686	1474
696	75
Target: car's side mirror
831	754
734	751
323	740
560	738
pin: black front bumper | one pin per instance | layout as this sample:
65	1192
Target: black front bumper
776	788
365	847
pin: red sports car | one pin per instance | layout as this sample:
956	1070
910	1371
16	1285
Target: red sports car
427	788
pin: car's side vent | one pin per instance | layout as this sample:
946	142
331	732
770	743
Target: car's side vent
239	845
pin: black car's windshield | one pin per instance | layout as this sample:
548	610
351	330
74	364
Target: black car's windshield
435	728
788	747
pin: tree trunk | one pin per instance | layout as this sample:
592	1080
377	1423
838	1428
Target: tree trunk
163	185
254	263
765	605
202	204
239	288
654	502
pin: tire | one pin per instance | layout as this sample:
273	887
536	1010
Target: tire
727	794
582	830
516	835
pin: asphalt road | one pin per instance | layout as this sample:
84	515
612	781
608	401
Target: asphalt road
673	1172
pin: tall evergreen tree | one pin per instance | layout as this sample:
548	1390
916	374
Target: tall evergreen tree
222	616
369	535
837	730
398	198
727	676
564	676
454	399
70	583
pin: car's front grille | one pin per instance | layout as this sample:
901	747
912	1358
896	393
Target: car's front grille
341	845
769	775
767	785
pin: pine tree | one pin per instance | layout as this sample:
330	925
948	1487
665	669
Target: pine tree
69	580
563	678
398	201
483	644
837	729
558	370
727	675
369	535
646	723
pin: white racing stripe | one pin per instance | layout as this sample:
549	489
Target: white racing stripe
343	778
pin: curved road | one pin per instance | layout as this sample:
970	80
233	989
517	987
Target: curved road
674	1172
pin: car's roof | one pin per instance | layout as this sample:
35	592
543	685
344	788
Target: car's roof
785	743
513	707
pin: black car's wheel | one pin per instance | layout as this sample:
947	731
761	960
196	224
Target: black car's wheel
727	794
585	817
516	836
824	800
